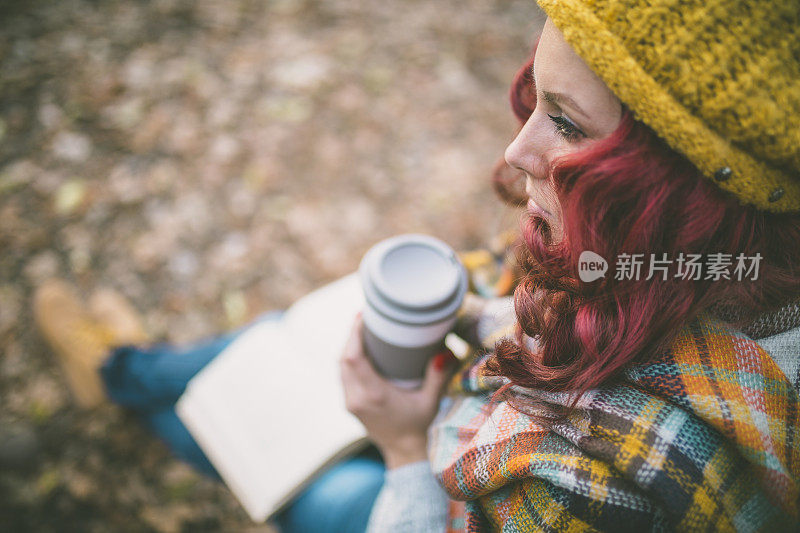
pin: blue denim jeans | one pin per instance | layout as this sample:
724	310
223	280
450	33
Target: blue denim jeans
150	380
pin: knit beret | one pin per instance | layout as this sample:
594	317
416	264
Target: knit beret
718	80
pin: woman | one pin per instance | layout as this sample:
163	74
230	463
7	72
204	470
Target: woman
660	395
659	399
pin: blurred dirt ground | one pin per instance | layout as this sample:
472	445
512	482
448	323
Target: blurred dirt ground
213	160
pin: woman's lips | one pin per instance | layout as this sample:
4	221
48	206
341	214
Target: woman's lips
533	207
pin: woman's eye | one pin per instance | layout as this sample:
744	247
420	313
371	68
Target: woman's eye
566	129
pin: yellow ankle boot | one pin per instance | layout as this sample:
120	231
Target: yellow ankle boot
81	343
113	310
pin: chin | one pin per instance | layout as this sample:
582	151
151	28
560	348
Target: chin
536	223
545	225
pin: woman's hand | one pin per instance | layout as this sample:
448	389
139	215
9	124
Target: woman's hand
396	419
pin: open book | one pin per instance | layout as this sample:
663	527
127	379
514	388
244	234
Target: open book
269	410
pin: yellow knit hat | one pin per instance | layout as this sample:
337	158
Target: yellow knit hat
719	80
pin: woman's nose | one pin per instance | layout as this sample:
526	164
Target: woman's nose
525	151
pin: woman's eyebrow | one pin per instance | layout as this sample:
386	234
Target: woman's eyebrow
563	99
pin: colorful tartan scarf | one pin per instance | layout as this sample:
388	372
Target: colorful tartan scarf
702	438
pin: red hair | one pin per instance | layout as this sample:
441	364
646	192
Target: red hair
629	193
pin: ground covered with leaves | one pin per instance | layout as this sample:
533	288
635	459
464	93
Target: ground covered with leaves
211	161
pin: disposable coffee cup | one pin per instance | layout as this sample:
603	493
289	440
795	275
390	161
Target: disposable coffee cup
413	287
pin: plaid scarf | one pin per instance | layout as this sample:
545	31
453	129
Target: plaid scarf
701	438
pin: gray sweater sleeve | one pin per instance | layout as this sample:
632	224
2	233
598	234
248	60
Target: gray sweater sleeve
411	501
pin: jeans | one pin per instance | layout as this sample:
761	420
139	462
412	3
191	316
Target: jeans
150	380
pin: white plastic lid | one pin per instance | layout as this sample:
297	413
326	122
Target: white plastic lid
413	278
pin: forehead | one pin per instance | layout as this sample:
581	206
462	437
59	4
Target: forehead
558	69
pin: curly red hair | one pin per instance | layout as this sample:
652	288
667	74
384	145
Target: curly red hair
629	193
